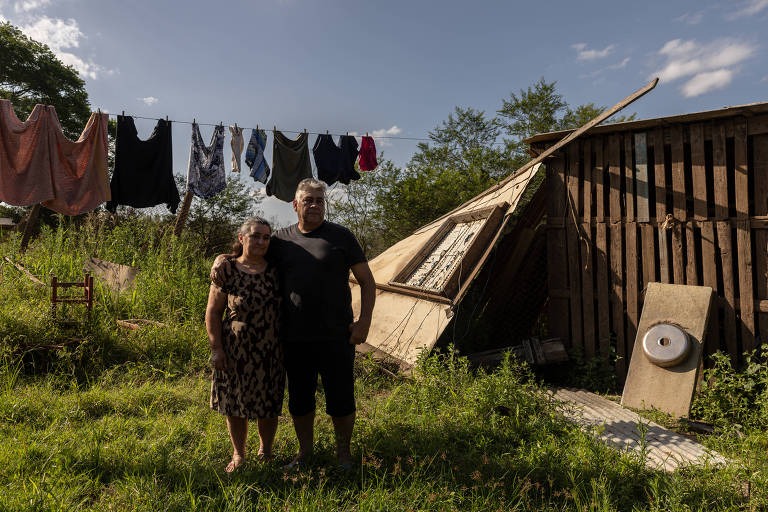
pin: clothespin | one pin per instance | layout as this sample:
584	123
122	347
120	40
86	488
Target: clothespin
123	113
235	126
274	129
98	110
166	119
347	134
194	120
366	134
326	132
305	131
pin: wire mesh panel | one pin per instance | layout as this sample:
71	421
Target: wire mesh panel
433	273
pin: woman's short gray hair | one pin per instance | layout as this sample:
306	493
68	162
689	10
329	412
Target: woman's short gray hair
310	184
252	222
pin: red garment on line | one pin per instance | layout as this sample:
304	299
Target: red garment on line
39	164
25	156
367	160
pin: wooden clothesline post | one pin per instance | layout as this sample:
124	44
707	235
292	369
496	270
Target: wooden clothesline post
181	220
30	226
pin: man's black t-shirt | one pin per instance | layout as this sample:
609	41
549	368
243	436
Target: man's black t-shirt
314	269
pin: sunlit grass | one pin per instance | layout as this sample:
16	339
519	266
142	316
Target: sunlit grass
119	420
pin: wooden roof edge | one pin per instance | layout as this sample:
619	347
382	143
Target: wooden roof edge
749	109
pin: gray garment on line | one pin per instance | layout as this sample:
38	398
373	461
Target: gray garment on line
290	165
205	175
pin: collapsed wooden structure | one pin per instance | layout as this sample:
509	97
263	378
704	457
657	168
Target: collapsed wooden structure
680	199
422	280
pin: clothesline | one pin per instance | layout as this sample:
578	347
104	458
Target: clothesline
391	137
272	129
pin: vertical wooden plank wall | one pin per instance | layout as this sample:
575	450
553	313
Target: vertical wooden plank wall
629	208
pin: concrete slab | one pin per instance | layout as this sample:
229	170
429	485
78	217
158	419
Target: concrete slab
668	389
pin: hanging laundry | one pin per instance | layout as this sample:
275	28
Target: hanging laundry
327	159
254	156
367	154
143	175
290	165
349	152
25	156
335	163
205	175
237	146
79	173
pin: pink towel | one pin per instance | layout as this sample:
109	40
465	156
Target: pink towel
39	164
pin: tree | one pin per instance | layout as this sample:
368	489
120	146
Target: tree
30	73
216	219
357	207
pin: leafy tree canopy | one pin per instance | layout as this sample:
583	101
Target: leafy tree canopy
30	73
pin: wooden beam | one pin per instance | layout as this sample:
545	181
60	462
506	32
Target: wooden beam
30	227
720	171
25	271
698	172
641	177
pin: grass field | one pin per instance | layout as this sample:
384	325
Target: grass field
120	420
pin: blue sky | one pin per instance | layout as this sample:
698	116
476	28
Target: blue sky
394	67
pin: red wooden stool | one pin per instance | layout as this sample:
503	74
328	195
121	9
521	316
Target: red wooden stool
87	297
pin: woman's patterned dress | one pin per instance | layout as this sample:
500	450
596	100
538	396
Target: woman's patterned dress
252	385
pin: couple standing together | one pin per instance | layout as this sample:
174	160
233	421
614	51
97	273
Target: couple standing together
281	303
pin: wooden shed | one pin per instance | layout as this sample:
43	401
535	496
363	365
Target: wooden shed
680	199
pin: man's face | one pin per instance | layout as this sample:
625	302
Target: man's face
310	206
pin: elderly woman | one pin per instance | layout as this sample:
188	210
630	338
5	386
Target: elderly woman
248	375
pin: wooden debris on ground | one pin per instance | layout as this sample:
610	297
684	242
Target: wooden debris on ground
26	272
137	323
50	346
531	350
116	277
618	427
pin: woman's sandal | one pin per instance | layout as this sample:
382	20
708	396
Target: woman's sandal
295	465
235	463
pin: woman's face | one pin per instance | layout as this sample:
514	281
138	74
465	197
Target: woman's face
256	241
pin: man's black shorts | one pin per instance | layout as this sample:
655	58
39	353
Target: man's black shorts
334	362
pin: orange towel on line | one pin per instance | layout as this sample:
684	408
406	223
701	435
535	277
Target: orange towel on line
38	163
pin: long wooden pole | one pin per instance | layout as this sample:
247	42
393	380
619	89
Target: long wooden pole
181	220
30	227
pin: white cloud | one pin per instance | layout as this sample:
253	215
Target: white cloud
618	65
56	33
60	35
583	53
713	62
707	81
690	18
765	79
30	5
748	8
385	132
149	100
621	64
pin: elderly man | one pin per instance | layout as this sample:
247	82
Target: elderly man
318	330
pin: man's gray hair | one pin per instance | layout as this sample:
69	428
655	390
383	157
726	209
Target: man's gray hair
310	184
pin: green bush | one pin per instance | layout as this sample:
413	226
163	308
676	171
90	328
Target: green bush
728	396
